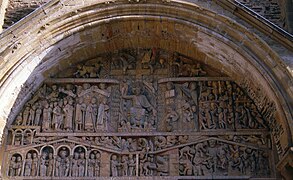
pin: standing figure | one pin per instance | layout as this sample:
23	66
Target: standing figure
74	165
91	165
81	165
31	117
68	112
171	118
28	165
198	162
50	165
25	116
43	164
131	165
64	163
97	165
114	166
18	166
12	166
47	117
103	115
124	165
58	166
35	165
90	115
79	114
194	93
38	115
57	115
222	122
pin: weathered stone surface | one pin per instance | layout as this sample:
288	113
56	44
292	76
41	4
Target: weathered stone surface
147	113
270	9
18	9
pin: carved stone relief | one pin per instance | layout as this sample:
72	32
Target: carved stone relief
144	112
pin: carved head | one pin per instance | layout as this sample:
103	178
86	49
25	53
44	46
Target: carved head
137	91
86	86
192	85
169	85
44	155
63	153
82	155
92	156
80	100
54	87
70	102
34	155
29	156
114	157
102	86
212	143
68	86
76	155
13	158
94	100
65	101
98	155
50	156
124	158
27	108
60	103
18	159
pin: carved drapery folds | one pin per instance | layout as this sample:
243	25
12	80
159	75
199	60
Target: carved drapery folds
143	112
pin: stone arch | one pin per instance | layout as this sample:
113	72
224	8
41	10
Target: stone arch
206	33
63	146
31	150
82	147
27	136
48	146
19	170
18	132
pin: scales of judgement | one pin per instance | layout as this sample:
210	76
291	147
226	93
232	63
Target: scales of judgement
146	113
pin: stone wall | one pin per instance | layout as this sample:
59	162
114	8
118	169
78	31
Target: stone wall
17	9
270	9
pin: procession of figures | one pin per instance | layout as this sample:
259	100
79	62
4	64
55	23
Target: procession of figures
187	106
147	113
210	156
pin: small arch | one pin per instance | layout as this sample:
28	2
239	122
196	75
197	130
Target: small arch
18	137
15	165
63	155
30	163
62	146
46	167
48	148
94	162
27	136
78	148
